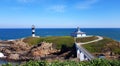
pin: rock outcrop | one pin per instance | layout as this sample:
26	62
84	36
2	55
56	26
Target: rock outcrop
19	50
43	49
16	46
13	57
19	45
14	49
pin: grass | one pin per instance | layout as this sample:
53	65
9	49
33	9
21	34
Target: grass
33	40
58	42
86	39
106	44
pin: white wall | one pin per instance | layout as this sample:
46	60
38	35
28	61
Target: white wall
82	57
81	35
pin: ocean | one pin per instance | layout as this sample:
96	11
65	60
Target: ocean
11	34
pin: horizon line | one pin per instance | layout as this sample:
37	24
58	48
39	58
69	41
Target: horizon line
56	27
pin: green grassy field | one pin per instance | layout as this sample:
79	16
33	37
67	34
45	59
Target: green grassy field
106	44
86	39
58	42
68	41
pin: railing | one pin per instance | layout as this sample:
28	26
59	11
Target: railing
85	52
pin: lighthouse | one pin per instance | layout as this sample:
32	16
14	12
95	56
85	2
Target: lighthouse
33	31
79	33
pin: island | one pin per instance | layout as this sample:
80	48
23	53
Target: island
62	47
59	48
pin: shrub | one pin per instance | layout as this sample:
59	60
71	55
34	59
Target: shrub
95	62
8	64
35	63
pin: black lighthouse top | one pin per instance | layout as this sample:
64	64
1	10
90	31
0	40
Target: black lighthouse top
33	27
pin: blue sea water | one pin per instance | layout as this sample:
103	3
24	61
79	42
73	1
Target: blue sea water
8	34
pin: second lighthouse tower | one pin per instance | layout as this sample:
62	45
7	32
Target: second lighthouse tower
33	31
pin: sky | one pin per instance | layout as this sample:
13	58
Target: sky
60	13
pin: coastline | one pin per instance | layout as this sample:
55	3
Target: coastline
13	34
20	51
38	51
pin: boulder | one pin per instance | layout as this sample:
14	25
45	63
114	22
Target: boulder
7	51
42	50
19	45
13	57
1	55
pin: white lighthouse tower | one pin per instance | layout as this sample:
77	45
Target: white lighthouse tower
79	33
33	31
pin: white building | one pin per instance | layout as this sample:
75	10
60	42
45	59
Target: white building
78	33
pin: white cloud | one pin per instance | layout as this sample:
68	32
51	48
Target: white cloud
59	5
86	4
58	8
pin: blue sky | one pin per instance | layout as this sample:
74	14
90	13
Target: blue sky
60	13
